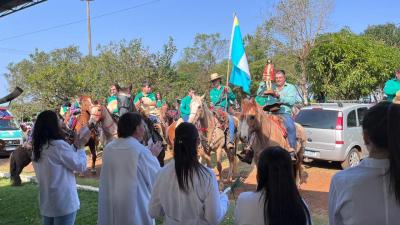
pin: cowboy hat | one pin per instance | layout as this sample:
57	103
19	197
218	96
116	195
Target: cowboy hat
272	105
215	76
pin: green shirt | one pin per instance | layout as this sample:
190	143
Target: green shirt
185	106
112	104
287	96
391	88
262	99
160	103
150	95
218	98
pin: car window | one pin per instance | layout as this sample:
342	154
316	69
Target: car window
317	118
361	113
351	119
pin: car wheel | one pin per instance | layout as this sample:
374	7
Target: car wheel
352	159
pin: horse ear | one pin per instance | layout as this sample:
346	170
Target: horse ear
202	97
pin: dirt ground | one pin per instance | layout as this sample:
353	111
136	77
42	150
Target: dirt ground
315	191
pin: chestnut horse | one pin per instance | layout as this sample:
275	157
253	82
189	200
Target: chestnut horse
83	120
260	130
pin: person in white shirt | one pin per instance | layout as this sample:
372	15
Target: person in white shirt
54	162
185	191
369	193
277	200
127	176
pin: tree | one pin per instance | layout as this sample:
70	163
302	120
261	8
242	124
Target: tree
205	57
347	66
297	24
388	33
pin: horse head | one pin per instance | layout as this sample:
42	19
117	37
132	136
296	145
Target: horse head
249	120
96	114
196	108
85	103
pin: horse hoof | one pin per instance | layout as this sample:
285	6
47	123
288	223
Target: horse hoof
93	171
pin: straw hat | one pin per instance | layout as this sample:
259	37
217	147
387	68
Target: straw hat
215	76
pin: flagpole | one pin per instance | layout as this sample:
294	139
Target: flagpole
227	71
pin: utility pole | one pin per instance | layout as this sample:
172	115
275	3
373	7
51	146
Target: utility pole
88	27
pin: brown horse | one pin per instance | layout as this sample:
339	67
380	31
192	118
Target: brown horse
215	136
82	121
101	115
260	130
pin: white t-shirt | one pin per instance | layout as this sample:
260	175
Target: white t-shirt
202	205
360	195
55	174
250	209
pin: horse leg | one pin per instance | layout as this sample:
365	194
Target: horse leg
219	163
14	171
92	147
161	156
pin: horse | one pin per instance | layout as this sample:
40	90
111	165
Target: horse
214	136
259	130
82	121
101	115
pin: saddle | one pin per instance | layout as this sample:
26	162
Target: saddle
222	118
279	121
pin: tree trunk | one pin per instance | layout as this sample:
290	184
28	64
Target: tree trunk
303	81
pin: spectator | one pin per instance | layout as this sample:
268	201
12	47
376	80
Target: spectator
127	175
369	193
277	200
54	162
185	191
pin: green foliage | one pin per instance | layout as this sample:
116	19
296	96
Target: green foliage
346	66
388	33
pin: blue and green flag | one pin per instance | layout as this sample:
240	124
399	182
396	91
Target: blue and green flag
240	75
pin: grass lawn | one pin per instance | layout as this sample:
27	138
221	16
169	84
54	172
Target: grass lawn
19	206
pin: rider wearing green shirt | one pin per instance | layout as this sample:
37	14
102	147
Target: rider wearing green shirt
146	100
392	86
160	102
185	105
286	94
218	96
112	102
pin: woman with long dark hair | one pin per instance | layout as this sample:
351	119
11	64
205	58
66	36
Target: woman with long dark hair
54	162
369	193
277	200
185	191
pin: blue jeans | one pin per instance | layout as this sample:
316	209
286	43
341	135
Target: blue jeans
290	128
154	119
231	129
185	118
68	219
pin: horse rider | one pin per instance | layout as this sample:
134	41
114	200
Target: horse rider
75	112
185	105
286	94
392	86
146	101
160	102
219	95
112	101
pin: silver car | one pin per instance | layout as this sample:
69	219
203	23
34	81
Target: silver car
334	132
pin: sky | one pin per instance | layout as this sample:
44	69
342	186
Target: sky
154	21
